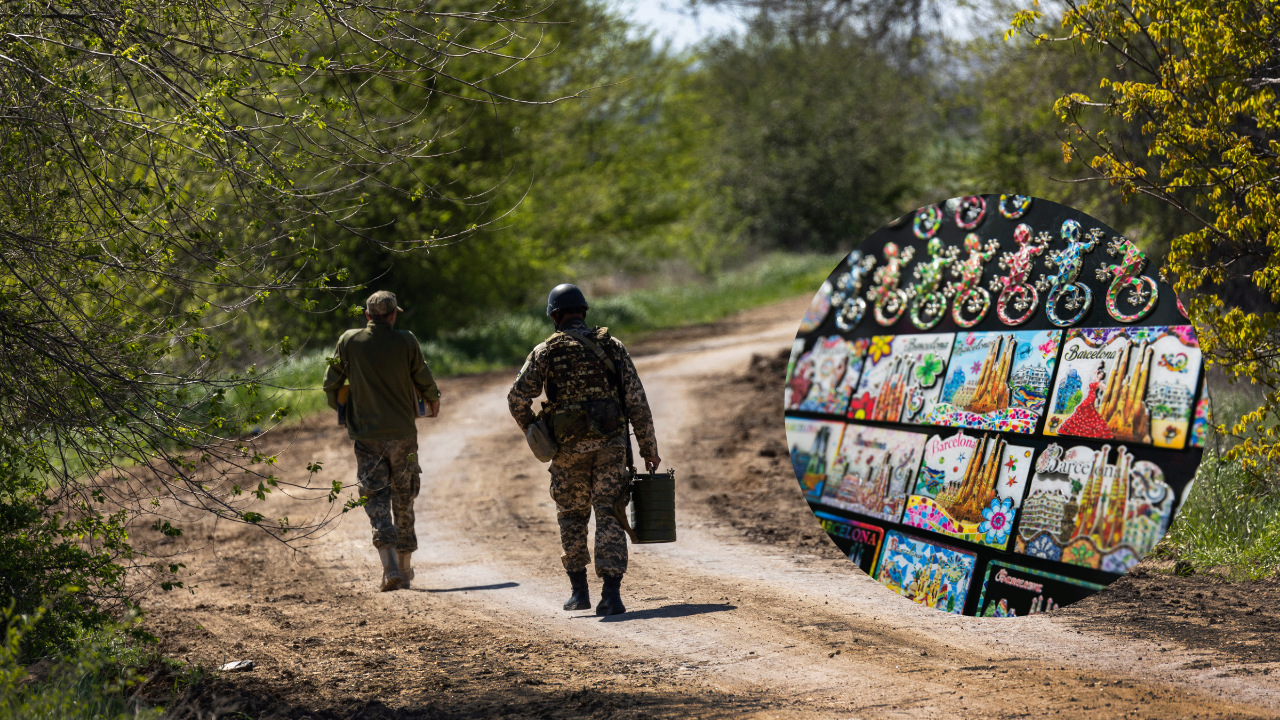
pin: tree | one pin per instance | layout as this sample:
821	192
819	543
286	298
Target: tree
164	166
1198	83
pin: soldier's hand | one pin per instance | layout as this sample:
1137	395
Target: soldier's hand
435	408
652	462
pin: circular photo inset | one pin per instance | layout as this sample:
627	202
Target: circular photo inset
999	416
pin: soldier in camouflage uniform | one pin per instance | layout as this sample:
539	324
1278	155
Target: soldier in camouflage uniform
592	391
387	376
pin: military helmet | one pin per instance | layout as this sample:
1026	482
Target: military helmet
565	296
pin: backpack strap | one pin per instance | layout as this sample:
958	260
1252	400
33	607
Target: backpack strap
593	347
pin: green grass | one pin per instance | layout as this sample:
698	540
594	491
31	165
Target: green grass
1230	523
506	340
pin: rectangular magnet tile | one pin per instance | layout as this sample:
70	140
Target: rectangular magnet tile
900	376
996	381
1010	590
925	572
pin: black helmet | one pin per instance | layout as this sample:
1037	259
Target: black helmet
565	296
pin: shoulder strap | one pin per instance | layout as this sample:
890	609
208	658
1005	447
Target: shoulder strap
593	347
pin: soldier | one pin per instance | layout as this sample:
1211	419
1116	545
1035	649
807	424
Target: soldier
592	391
388	375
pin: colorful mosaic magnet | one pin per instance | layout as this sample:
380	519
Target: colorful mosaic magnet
859	541
1013	288
1010	590
996	381
851	306
971	211
813	446
1127	275
1200	424
818	308
927	221
824	377
1062	287
1014	206
928	304
901	375
874	471
970	488
970	296
1135	385
1102	509
925	572
889	300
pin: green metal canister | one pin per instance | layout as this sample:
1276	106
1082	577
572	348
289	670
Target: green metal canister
653	507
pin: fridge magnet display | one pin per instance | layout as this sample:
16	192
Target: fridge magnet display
818	308
1103	509
970	212
1010	590
1131	384
1127	275
847	297
927	221
901	374
926	573
970	488
996	381
873	471
1064	291
1014	206
889	300
813	451
859	541
1013	288
927	303
970	297
824	377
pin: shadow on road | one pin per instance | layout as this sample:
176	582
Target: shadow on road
496	586
678	610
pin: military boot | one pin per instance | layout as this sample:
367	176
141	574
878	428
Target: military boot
611	597
406	572
391	577
581	597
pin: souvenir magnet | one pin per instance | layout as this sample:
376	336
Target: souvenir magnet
971	211
850	285
928	220
970	297
890	301
1014	206
1143	291
1014	286
1075	295
928	304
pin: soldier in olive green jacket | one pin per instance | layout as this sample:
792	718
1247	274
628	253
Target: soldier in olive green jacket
387	375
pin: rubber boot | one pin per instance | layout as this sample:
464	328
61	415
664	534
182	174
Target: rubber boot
581	597
391	577
611	597
406	572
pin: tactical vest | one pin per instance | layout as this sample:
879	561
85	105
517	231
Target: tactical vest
583	402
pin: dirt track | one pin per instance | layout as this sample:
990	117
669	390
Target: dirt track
753	613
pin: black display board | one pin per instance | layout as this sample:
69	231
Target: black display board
1014	472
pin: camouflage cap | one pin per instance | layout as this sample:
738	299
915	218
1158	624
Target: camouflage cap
381	303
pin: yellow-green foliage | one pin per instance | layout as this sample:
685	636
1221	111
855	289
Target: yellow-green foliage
1194	82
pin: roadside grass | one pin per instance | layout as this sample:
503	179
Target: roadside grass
1229	525
506	340
100	677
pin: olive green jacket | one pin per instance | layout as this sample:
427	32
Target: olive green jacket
385	369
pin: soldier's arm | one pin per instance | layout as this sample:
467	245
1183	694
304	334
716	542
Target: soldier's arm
637	405
335	375
528	385
421	374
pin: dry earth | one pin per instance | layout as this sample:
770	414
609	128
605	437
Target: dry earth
753	613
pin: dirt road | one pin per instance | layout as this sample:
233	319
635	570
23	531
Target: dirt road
753	613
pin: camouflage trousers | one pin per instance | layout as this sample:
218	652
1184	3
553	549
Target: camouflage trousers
390	477
581	482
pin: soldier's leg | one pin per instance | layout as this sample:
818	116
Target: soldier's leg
374	474
571	489
609	479
406	480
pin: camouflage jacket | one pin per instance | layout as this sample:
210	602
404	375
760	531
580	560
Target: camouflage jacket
532	381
